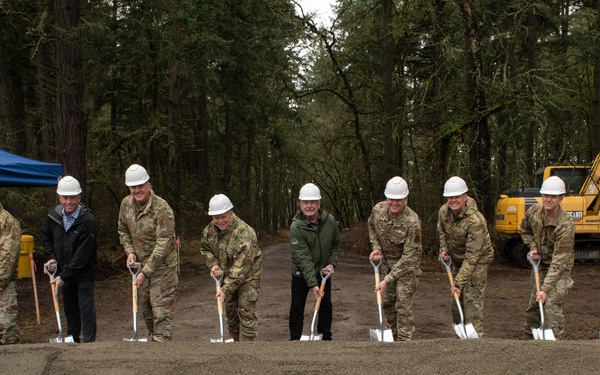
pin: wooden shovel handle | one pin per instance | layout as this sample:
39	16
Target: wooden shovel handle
377	280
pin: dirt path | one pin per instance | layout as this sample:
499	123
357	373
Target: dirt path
435	349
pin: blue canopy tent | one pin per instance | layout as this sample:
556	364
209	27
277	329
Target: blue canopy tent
19	171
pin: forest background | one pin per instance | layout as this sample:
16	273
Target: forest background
253	98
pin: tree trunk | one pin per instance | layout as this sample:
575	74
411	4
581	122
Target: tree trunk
175	119
388	93
71	121
479	154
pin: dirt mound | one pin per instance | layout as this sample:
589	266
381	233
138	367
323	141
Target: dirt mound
434	350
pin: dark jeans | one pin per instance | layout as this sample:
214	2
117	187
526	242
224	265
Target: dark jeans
78	299
299	292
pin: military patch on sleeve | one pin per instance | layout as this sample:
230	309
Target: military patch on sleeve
418	236
294	241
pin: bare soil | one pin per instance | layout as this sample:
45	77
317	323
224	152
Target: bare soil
435	348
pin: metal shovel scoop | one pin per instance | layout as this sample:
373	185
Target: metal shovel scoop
539	333
464	331
380	334
220	309
138	267
312	335
59	338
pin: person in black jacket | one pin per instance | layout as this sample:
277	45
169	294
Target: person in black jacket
69	237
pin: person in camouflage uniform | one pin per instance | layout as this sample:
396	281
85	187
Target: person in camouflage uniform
147	233
230	249
10	250
316	245
549	232
395	235
465	239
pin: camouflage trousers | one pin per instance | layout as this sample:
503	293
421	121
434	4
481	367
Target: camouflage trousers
240	310
9	331
398	305
156	298
554	317
471	299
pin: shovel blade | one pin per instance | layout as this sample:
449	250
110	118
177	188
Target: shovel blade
471	332
222	340
542	334
133	339
460	330
385	335
311	337
60	339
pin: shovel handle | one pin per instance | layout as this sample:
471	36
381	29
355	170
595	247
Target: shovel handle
134	265
47	271
54	299
449	272
536	270
218	281
322	288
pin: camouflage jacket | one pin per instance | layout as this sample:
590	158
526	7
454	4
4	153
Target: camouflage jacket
399	239
235	250
149	234
314	246
553	240
10	247
466	238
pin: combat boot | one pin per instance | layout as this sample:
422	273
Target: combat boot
235	336
248	338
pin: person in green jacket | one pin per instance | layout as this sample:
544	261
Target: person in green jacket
464	237
147	234
316	245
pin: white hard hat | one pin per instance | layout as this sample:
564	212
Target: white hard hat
553	185
68	186
310	192
396	188
219	204
454	187
136	175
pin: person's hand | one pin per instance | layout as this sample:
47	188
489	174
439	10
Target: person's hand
216	271
375	255
455	290
535	256
58	281
328	268
381	287
541	296
139	280
317	292
445	256
50	265
220	295
131	258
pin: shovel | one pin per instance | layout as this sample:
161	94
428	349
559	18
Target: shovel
220	309
134	290
464	331
59	338
380	334
312	335
539	333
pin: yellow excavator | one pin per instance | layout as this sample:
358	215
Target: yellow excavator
582	202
